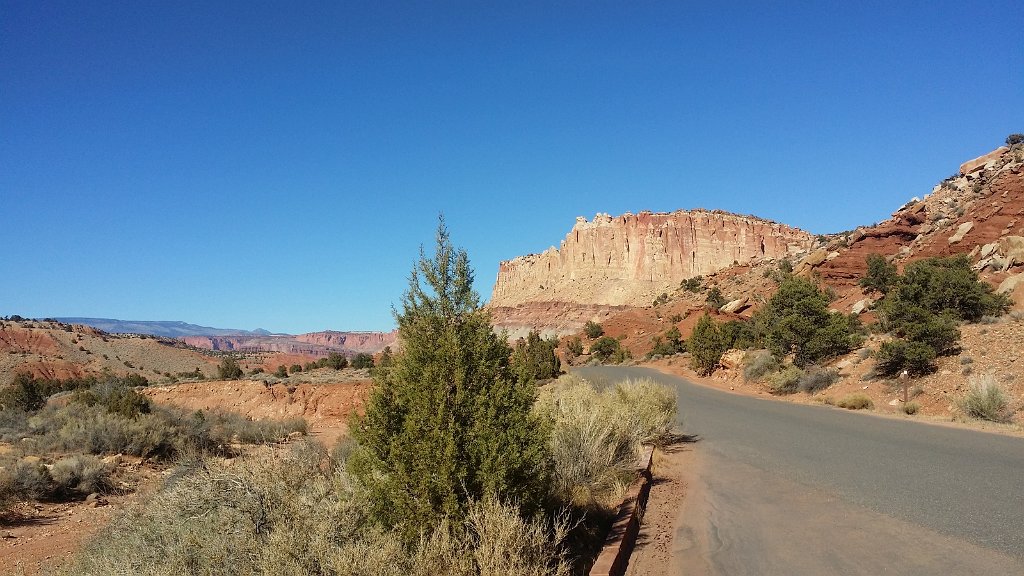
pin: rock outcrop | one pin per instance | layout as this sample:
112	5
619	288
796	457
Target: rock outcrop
311	344
628	260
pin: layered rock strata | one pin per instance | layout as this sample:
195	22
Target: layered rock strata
630	259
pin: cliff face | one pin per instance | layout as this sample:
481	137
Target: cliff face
630	259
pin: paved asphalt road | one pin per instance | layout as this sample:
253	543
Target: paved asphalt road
790	489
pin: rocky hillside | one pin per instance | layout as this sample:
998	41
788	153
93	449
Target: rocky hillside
979	211
613	263
49	349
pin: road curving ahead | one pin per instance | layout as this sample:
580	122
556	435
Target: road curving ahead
791	489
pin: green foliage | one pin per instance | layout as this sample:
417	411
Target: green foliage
922	308
715	300
662	299
785	267
116	398
573	347
604	348
281	372
705	346
896	356
229	369
942	285
294	368
362	361
881	274
26	394
671	344
336	361
738	334
386	358
797	320
695	284
593	329
1015	138
449	422
534	357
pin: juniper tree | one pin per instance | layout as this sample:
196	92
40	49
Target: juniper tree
449	421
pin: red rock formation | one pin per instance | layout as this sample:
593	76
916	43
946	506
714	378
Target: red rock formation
311	344
630	259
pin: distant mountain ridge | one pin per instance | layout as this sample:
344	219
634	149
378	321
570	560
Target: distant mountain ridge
166	328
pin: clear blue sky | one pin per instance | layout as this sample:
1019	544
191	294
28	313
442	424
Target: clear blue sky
278	164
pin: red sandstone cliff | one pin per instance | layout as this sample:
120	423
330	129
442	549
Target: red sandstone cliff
630	259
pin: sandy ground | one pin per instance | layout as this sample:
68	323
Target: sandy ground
654	554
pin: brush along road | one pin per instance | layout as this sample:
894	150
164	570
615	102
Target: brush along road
791	489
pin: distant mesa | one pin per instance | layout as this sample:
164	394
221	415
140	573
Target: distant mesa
234	340
627	261
166	328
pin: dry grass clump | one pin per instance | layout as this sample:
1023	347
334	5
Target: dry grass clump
300	513
986	400
911	408
785	381
857	401
759	363
68	478
815	379
596	436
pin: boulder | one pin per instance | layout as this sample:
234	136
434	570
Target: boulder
989	249
980	161
1010	284
961	231
1012	249
862	305
736	306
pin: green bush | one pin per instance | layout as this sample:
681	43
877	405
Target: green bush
941	285
714	299
705	346
534	358
694	284
672	344
294	369
896	356
797	320
604	348
857	401
362	361
336	361
737	334
593	329
985	400
281	372
881	274
229	369
573	347
1014	139
26	394
449	422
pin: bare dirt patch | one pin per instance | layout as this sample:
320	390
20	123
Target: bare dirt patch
653	554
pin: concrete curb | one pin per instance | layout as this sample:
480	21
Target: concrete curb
618	546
